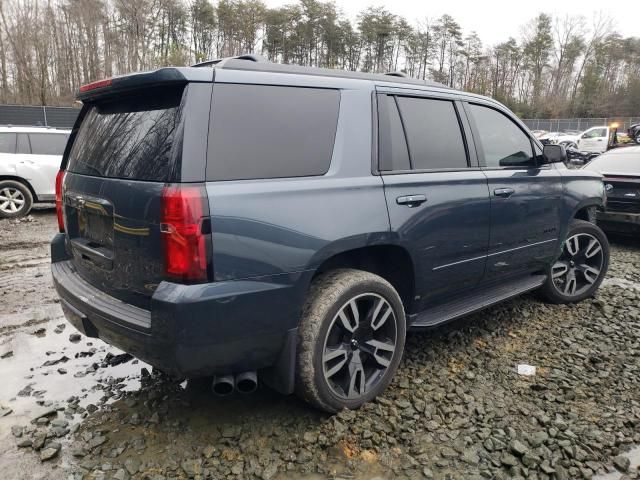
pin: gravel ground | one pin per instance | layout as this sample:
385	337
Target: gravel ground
72	407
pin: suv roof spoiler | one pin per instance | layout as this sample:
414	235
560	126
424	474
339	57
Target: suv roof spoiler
162	76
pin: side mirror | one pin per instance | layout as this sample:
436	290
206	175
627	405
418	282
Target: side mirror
554	154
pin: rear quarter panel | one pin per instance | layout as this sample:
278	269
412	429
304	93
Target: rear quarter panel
275	226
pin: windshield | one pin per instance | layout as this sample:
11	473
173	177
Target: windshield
617	162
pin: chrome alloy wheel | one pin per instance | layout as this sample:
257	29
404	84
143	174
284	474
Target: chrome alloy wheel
359	345
11	200
579	266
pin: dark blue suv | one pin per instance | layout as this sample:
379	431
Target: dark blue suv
247	220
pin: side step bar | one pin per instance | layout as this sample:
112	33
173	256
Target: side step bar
483	298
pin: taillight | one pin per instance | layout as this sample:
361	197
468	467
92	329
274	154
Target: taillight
94	85
59	207
185	236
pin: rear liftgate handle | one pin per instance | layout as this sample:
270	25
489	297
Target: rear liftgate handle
411	200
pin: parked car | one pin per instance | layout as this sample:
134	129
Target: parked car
577	159
621	171
245	219
634	132
538	133
30	158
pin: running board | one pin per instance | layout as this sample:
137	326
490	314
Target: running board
478	300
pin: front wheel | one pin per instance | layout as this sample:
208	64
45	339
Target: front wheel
351	339
637	139
581	267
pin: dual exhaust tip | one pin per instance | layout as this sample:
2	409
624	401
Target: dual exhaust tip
245	382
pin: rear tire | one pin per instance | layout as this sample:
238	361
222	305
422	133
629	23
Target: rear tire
350	340
581	267
637	138
15	199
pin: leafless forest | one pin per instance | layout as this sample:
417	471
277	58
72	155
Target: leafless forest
569	66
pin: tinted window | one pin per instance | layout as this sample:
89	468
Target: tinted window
47	143
7	143
394	154
23	143
268	132
503	143
137	137
433	133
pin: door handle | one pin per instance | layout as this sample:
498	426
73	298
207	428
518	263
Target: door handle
503	192
411	200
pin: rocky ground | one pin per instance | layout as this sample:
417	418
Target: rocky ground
72	407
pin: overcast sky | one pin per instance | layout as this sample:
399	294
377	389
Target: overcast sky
495	21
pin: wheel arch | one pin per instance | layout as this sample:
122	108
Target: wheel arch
23	182
390	261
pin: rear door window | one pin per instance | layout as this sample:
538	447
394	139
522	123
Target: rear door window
131	137
7	143
47	143
260	131
394	155
433	133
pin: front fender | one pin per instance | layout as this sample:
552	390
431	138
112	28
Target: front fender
582	189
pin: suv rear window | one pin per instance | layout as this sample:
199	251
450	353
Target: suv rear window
260	131
47	143
136	137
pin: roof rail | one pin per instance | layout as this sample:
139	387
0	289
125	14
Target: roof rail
257	63
252	57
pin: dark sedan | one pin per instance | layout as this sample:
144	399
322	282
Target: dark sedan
621	171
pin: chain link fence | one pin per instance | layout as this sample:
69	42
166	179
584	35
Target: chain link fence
27	115
578	124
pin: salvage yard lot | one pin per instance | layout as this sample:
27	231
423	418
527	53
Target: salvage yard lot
456	408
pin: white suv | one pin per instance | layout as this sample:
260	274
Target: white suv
30	158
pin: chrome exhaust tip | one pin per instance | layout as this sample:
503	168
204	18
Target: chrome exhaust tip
247	382
223	385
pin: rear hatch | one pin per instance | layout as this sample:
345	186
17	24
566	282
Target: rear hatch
126	149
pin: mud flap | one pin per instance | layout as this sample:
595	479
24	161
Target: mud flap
281	376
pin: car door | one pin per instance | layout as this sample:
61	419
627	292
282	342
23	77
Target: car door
525	195
41	165
437	197
594	140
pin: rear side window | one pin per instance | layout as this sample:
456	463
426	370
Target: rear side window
262	131
23	143
7	143
433	133
504	144
47	143
394	154
135	137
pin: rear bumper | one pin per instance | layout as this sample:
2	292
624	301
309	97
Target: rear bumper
194	330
